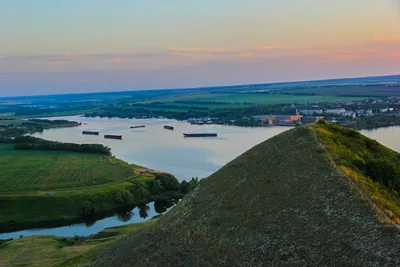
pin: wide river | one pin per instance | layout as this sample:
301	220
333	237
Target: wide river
160	149
165	150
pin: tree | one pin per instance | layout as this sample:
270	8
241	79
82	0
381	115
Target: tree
157	187
88	208
141	193
124	197
168	181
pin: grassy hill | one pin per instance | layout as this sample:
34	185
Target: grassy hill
44	188
46	170
316	195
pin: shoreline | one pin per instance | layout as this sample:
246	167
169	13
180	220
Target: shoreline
9	228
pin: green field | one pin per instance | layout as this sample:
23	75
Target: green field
259	99
53	186
9	122
350	90
38	170
51	250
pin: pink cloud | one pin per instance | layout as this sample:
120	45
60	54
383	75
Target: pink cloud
196	49
277	47
386	38
245	55
344	57
113	60
80	53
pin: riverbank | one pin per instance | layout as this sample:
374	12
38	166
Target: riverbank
53	188
52	250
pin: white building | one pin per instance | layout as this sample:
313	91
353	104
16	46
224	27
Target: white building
337	111
311	111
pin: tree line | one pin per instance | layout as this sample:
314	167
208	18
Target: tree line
33	143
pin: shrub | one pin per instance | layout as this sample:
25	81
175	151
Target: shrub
168	181
88	208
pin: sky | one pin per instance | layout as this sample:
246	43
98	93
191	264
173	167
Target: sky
51	47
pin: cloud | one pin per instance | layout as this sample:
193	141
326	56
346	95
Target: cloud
245	55
79	53
196	49
277	47
113	60
386	38
344	57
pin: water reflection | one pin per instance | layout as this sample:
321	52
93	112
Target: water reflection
387	136
166	150
93	226
163	205
143	211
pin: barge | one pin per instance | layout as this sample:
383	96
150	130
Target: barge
138	126
90	133
168	127
200	134
111	136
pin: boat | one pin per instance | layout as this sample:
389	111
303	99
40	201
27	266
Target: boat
90	133
111	136
200	134
168	127
138	126
197	123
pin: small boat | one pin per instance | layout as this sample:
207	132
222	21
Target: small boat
197	123
111	136
90	133
138	126
168	127
200	134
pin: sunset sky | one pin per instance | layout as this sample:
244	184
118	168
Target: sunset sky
49	46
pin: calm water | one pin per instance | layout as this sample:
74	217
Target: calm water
156	148
389	137
85	229
165	150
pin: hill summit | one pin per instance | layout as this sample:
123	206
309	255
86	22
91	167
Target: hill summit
314	195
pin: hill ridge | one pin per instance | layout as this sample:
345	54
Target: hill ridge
284	202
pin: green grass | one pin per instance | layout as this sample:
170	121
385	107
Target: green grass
354	153
375	90
53	186
260	99
51	250
46	170
285	202
9	122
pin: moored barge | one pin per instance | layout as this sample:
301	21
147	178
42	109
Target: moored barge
90	133
138	126
200	134
168	127
112	136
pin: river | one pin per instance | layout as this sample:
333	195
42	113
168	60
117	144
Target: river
157	148
389	137
165	150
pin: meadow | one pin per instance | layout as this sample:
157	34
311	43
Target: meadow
23	170
231	100
262	99
380	90
51	250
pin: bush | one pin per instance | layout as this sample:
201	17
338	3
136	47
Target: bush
88	208
168	181
124	197
142	193
384	171
157	187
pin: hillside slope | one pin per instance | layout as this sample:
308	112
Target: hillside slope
284	202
